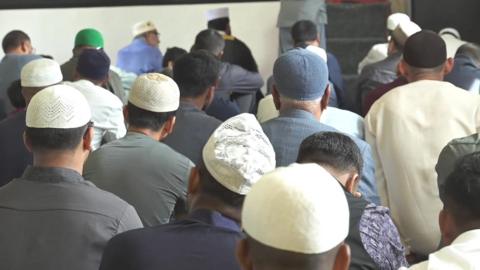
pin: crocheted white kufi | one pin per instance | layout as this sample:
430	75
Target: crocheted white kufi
155	92
217	13
395	19
143	27
404	30
300	208
40	73
238	153
58	106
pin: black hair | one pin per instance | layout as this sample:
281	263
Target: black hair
15	96
141	118
332	149
211	187
304	31
14	39
195	72
220	24
462	188
209	40
172	54
471	50
55	138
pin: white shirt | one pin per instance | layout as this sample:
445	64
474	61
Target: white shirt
107	111
377	53
407	128
462	254
342	120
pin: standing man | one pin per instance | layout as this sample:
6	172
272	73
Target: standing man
292	11
236	51
408	127
139	168
90	38
52	218
142	55
18	51
35	76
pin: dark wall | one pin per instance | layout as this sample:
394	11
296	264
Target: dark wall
18	4
463	15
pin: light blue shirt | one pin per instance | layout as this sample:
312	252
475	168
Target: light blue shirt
139	57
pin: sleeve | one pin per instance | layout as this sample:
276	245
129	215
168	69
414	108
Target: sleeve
244	81
379	174
368	186
129	221
381	239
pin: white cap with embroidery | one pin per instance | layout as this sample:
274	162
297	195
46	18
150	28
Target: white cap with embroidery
143	27
59	106
238	153
155	92
395	19
300	208
217	13
40	73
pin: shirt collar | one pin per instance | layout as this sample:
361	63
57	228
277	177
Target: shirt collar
214	218
189	107
51	175
472	236
297	113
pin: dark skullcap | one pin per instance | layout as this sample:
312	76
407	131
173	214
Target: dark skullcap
425	49
93	64
300	74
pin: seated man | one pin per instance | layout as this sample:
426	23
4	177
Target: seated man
90	75
197	76
138	167
90	38
18	51
295	218
373	238
142	55
35	76
301	95
408	127
236	84
466	71
236	52
235	157
14	93
168	61
52	218
459	219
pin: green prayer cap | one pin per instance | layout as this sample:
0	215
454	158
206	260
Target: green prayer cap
89	37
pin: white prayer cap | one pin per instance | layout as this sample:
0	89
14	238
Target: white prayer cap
217	13
404	30
300	208
40	73
450	31
238	153
452	39
58	106
143	27
318	51
395	19
155	92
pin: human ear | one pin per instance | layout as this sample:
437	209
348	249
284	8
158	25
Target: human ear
243	255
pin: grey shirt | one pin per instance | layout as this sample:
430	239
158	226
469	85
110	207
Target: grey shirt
51	218
192	129
451	153
10	68
292	11
146	173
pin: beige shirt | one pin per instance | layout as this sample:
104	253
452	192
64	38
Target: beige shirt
407	128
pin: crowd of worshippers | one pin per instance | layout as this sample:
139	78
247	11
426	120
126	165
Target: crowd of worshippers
179	161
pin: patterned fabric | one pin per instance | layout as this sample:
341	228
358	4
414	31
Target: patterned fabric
381	239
